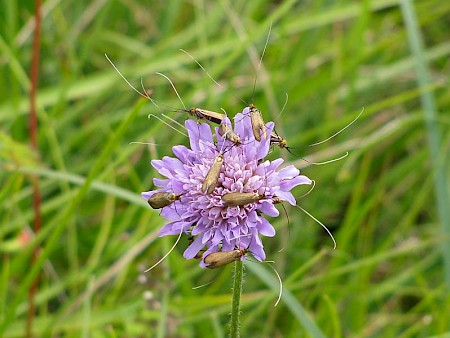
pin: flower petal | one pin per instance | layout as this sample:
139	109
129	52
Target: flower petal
267	207
265	228
256	248
286	196
264	145
173	228
287	185
193	249
243	126
288	172
183	153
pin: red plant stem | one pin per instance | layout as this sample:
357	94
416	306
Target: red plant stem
34	71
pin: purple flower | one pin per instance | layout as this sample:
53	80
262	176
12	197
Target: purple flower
213	223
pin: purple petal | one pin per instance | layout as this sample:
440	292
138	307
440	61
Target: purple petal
161	183
194	134
286	196
287	185
183	153
288	172
265	228
173	228
274	164
243	126
198	134
268	208
193	249
257	249
157	164
264	145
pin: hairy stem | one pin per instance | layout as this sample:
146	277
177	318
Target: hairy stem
236	301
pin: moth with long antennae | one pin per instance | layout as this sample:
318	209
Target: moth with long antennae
162	199
221	258
279	141
212	177
257	122
235	199
255	115
210	181
198	113
227	131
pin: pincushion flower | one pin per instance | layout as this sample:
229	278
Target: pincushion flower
215	224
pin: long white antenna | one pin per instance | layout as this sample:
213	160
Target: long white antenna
284	106
340	131
329	161
200	65
174	121
310	190
323	226
280	293
209	75
123	77
173	86
145	143
167	254
167	124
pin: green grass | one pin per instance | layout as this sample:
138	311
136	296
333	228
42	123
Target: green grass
386	203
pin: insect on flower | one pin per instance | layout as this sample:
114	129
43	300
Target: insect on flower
226	131
241	198
210	182
220	258
214	224
257	122
161	199
203	114
278	140
225	128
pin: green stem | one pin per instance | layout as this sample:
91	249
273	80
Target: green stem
236	301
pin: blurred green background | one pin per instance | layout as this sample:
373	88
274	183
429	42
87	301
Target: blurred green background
386	203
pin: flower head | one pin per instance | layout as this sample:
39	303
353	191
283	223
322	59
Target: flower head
215	224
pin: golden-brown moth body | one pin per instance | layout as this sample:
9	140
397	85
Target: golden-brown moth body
226	131
203	114
257	123
212	177
241	198
162	199
221	258
278	140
